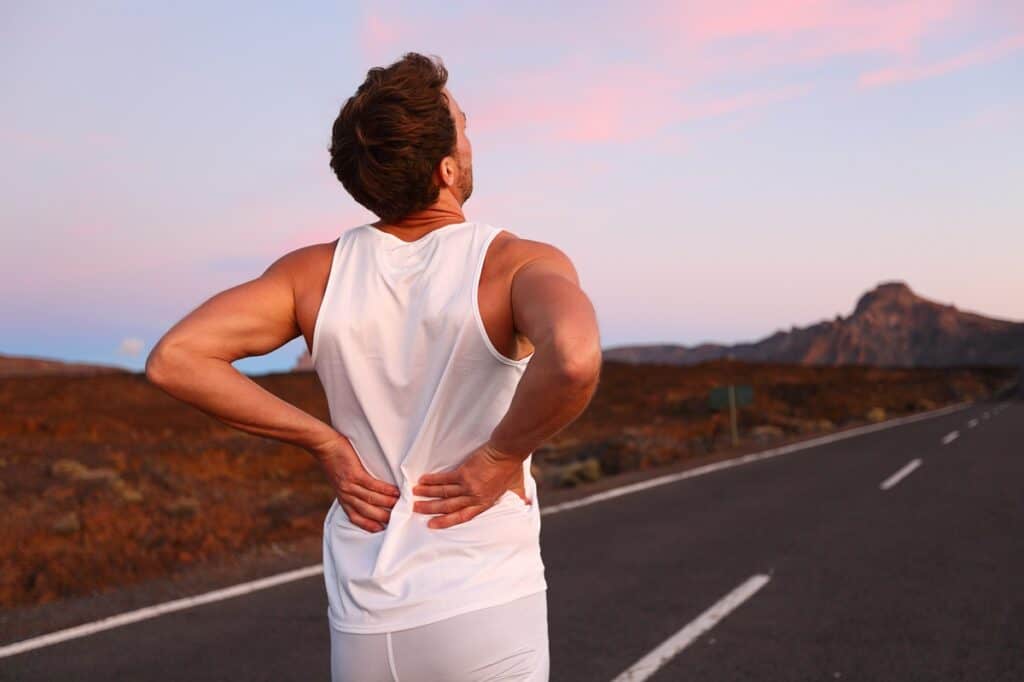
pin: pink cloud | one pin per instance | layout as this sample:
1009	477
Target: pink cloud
627	104
998	116
892	26
740	39
380	37
754	99
981	55
678	51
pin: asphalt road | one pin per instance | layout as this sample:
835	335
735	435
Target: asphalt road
918	579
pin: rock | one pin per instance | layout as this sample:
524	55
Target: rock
590	469
876	414
574	473
279	501
73	470
68	524
127	492
568	478
100	474
182	507
766	432
67	469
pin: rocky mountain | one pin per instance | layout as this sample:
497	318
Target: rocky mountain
890	326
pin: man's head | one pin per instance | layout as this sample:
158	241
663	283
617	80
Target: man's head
400	140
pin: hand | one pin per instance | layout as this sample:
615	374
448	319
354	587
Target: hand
366	500
473	487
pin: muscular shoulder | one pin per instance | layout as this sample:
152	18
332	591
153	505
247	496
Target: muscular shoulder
305	267
516	252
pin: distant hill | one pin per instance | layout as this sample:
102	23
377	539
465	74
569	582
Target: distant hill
890	326
14	365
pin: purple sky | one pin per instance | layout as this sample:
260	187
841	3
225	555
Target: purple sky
717	171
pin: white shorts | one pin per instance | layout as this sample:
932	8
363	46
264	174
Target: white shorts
504	642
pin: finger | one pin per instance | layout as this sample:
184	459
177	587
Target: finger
375	498
379	486
444	506
461	516
441	477
442	490
358	519
370	511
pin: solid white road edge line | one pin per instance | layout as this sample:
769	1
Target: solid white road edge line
899	475
317	569
665	651
158	609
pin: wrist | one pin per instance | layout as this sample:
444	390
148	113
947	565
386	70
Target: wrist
321	445
501	453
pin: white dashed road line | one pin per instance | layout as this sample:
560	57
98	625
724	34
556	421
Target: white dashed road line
665	651
950	437
971	424
899	475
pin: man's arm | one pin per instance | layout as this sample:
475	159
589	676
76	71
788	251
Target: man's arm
192	361
551	310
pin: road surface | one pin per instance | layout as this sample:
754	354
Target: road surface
896	554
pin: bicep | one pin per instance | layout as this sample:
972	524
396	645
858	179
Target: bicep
252	318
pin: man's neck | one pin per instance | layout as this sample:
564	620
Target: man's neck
417	224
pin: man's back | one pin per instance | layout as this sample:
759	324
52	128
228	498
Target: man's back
415	383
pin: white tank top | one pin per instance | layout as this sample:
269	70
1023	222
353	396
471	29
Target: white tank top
414	382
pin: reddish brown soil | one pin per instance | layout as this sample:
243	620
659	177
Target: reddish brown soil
155	485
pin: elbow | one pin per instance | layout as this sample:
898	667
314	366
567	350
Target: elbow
155	368
158	365
581	362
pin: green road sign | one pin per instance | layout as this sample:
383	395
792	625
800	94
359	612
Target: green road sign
743	395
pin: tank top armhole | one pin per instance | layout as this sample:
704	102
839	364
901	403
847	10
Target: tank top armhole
318	322
474	297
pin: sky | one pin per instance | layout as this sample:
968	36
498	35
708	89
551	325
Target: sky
716	171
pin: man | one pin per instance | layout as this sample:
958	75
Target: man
442	379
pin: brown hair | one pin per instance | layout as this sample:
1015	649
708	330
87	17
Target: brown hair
391	134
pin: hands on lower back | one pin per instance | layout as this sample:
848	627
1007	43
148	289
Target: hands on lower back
477	484
366	500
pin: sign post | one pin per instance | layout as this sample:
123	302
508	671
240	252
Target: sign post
731	396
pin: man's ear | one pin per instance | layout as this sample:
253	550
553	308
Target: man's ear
446	171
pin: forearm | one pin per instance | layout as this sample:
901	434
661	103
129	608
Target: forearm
548	398
215	387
